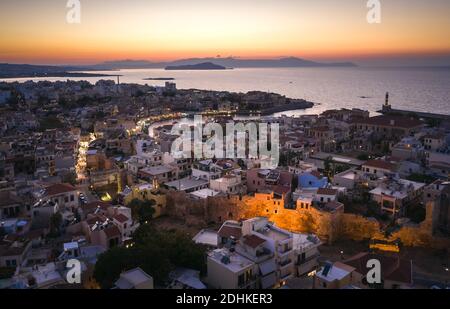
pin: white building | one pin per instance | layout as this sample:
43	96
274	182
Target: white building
229	270
270	249
229	184
393	194
306	249
64	195
135	279
206	169
188	184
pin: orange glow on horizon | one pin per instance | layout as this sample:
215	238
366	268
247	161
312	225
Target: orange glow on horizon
169	30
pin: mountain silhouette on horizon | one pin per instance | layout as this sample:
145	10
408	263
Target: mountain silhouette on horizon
229	62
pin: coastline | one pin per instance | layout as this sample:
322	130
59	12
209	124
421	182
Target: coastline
303	104
57	75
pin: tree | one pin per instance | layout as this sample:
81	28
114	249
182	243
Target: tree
294	183
111	263
421	178
416	212
142	211
156	252
55	224
70	178
363	157
327	164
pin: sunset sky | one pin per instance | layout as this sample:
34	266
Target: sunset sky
412	31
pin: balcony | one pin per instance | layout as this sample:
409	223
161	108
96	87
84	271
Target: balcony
284	251
308	259
258	256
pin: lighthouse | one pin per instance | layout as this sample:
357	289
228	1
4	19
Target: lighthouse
386	107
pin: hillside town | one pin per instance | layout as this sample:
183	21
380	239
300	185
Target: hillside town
87	174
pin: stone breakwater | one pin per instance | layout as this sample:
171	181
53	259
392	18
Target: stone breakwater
287	107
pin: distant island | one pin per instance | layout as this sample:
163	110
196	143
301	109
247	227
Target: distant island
33	71
228	62
199	66
159	78
217	63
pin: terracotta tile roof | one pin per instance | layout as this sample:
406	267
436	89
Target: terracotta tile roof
112	231
230	231
121	218
59	188
253	241
327	191
94	205
392	267
285	178
380	164
281	190
94	219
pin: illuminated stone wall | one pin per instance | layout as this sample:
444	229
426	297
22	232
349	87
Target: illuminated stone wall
329	227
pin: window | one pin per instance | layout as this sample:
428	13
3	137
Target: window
72	198
66	199
241	279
